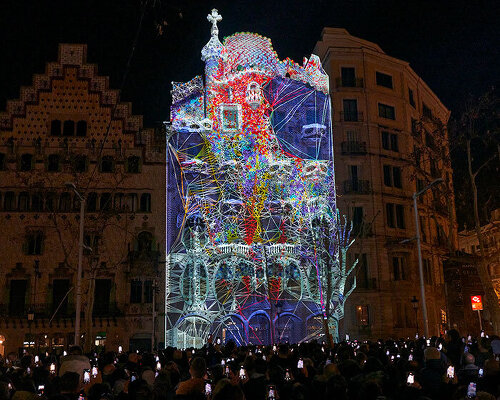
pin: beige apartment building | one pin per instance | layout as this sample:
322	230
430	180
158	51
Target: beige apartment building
390	140
69	126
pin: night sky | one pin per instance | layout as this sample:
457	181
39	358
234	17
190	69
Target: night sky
453	45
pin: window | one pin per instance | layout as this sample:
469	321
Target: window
148	291
399	268
400	216
80	163
17	296
65	202
107	164
350	110
132	202
69	128
60	288
386	111
423	229
135	291
9	201
414	127
417	156
55	127
105	202
144	242
394	142
362	271
231	120
26	162
119	203
389	210
24	201
362	315
37	202
145	202
357	217
133	164
53	163
81	128
50	201
348	77
392	176
102	296
92	202
426	111
410	98
384	80
34	242
390	141
2	162
427	271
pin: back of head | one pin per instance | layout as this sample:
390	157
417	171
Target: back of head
431	353
70	382
198	367
225	390
75	350
139	390
469	359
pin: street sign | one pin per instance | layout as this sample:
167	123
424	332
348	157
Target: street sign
477	303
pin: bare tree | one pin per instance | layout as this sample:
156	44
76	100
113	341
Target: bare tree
478	132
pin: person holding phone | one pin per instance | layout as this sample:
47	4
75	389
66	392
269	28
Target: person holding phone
432	376
196	384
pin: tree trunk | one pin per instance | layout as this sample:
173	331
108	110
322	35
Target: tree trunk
482	268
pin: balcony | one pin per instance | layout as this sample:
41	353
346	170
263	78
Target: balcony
349	83
46	310
348	116
353	147
368	284
357	186
144	257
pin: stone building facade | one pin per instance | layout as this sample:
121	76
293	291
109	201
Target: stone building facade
390	140
69	126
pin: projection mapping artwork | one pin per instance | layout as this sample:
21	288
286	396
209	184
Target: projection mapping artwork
256	245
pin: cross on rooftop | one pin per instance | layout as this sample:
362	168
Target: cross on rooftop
214	17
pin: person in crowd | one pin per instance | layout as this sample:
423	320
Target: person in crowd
196	384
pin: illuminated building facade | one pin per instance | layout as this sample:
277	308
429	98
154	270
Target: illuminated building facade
257	248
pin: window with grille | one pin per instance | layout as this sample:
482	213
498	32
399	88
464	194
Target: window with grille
386	111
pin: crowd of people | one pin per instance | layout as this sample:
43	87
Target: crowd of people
449	367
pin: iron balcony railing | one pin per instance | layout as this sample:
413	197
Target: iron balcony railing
357	186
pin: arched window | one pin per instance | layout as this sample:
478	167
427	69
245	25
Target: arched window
92	202
107	164
144	241
81	128
105	202
69	128
55	128
119	202
133	164
65	202
36	202
10	201
145	202
26	162
50	201
132	202
53	163
24	201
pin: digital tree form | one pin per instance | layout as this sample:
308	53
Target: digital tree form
256	246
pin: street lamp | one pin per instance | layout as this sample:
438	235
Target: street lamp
414	304
78	307
419	252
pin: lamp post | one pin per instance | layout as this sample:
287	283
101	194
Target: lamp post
419	253
78	306
414	304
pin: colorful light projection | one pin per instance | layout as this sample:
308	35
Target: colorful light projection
256	246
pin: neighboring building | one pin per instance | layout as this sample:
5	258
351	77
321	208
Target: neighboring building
54	134
468	243
389	141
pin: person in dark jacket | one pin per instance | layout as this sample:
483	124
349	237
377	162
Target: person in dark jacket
431	377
